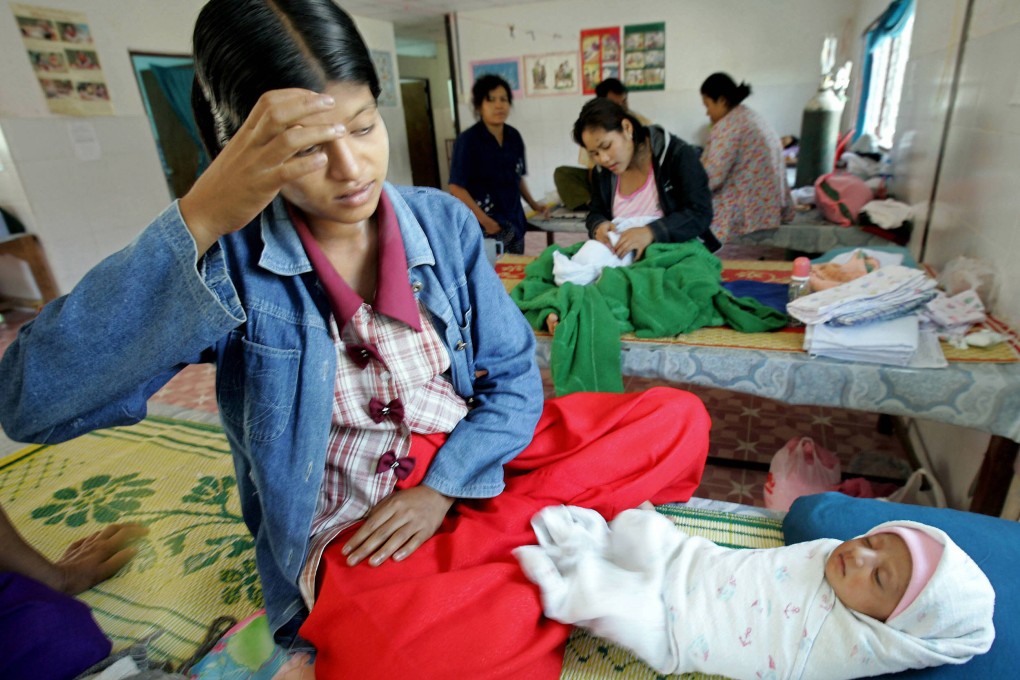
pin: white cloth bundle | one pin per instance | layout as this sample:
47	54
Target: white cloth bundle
887	214
684	604
888	288
952	317
587	263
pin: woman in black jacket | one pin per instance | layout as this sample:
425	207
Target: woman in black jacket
642	172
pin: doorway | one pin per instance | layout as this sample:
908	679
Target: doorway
165	84
421	132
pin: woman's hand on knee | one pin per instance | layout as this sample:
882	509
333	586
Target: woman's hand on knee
398	526
275	145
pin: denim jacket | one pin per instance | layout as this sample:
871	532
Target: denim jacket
253	306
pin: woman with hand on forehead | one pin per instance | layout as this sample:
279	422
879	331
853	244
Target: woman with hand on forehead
376	384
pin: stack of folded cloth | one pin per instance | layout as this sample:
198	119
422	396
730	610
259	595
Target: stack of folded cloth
873	318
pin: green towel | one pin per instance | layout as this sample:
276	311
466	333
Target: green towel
675	288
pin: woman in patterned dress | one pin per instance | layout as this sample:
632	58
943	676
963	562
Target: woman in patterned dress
744	162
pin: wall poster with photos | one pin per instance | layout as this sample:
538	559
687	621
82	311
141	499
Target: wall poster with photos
600	56
644	56
551	73
64	60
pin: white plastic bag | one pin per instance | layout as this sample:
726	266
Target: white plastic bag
800	468
911	491
968	273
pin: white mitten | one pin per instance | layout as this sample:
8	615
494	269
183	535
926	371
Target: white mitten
566	533
642	540
581	584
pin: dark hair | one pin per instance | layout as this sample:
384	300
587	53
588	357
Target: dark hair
601	113
486	84
721	85
244	48
610	86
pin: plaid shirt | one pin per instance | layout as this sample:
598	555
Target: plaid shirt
401	364
390	382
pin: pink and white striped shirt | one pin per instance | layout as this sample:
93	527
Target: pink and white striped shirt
642	203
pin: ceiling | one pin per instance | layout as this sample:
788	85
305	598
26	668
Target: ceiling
420	19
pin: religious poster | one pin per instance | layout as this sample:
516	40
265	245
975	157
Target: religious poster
383	62
551	73
600	56
644	56
65	61
507	69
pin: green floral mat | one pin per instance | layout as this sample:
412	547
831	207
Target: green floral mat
197	562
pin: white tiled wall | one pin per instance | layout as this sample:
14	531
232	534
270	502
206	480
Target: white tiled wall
978	197
977	208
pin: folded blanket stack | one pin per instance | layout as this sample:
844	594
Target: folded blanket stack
873	318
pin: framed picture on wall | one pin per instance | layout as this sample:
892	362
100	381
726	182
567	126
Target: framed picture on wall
552	73
507	69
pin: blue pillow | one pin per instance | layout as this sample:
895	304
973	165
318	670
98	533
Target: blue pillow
991	542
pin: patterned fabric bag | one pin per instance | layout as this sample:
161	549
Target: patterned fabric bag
841	196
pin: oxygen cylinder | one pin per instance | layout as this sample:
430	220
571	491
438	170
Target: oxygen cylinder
819	134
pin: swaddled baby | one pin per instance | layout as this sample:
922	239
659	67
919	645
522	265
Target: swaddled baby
901	596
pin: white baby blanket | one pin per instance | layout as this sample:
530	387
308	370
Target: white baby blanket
684	604
594	256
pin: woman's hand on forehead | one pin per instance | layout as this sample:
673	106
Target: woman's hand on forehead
265	154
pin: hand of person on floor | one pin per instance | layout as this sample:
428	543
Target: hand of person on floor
552	321
398	526
93	559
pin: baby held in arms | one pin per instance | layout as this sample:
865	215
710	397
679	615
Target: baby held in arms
902	596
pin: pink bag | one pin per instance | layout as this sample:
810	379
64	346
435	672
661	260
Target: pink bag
840	197
798	469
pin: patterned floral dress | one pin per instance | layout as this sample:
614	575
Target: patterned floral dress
747	175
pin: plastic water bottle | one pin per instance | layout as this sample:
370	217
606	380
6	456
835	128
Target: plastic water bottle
799	283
